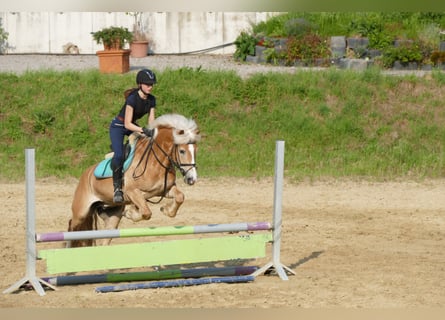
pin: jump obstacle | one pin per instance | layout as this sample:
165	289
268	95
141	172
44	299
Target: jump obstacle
144	254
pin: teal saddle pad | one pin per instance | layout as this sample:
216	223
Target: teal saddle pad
103	169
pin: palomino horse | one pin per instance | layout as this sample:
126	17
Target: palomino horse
152	173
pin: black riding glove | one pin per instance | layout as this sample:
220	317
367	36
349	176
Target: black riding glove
147	132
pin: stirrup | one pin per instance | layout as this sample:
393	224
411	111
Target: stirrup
118	196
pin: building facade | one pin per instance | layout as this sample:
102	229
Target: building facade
167	32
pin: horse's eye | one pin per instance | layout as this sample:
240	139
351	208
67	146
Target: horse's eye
182	152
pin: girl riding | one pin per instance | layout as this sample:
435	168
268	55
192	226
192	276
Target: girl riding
138	102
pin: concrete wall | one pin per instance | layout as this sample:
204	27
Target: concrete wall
168	32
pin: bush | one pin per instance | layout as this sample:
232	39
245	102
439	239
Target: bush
405	53
297	27
274	27
306	48
438	57
245	45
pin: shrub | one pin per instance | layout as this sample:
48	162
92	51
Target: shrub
438	57
273	56
307	48
297	27
245	45
405	53
273	27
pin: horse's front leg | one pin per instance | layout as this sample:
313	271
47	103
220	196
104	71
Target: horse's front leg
139	209
171	208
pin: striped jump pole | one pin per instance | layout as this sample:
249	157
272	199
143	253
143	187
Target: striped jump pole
152	231
151	275
174	283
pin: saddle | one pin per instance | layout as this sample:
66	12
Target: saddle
103	169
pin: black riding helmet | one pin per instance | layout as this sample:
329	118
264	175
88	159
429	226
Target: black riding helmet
146	76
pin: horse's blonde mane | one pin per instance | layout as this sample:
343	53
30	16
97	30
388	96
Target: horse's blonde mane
180	123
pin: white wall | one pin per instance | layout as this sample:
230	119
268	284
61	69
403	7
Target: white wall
168	32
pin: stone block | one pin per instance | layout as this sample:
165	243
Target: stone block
354	64
354	43
398	43
259	52
338	46
373	53
252	59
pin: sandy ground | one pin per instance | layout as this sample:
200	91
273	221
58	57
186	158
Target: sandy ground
351	244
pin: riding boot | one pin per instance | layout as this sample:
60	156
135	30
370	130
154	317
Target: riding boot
117	184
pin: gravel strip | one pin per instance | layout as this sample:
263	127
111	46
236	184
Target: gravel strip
21	63
30	62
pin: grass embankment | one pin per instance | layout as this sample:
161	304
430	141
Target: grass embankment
335	123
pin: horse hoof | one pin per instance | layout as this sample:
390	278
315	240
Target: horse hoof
134	218
168	213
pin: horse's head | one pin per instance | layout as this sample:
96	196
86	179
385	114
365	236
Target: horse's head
185	137
185	157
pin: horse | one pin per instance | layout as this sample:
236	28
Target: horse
151	173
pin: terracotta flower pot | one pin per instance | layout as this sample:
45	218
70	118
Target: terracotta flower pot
114	61
139	49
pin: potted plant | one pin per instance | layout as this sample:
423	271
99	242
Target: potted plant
114	58
113	38
139	44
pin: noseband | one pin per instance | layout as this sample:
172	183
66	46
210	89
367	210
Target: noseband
178	165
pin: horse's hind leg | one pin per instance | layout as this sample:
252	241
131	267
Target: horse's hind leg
84	224
111	217
171	208
83	209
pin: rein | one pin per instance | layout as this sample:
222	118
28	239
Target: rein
173	164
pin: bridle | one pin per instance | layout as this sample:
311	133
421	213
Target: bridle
174	162
178	164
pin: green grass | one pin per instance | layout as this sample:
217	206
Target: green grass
335	123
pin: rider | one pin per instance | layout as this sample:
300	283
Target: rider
138	103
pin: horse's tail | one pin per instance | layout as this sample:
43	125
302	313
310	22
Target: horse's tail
89	223
96	209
